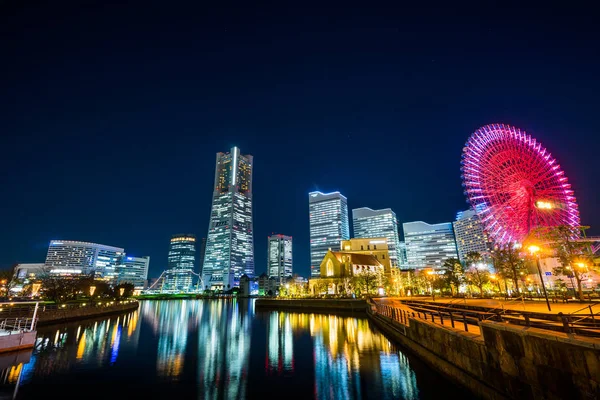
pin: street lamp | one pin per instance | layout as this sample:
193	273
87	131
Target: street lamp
534	250
431	273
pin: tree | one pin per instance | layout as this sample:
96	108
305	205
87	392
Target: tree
509	263
454	274
478	276
571	249
367	281
127	290
58	289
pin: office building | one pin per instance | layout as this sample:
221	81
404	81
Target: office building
428	246
202	252
230	241
181	261
134	270
280	257
370	223
29	271
402	258
73	258
328	216
470	236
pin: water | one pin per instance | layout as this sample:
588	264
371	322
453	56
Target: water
221	349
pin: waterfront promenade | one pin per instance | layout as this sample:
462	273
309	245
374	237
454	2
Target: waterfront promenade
533	306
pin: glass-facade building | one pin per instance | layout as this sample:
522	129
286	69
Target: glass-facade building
428	246
280	257
134	270
71	258
229	250
180	264
402	258
329	225
470	235
370	223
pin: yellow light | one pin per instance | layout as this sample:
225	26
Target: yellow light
533	249
492	276
581	265
92	290
430	272
544	205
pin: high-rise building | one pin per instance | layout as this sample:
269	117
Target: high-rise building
470	235
230	240
202	252
182	257
280	257
370	223
134	270
428	246
328	215
402	258
69	258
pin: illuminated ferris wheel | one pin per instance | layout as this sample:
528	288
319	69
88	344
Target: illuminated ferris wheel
514	184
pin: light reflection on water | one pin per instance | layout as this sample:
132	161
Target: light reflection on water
222	349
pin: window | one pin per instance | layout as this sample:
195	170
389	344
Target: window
374	247
368	247
329	268
383	256
362	247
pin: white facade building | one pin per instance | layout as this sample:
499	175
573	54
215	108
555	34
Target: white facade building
134	270
280	257
428	246
229	250
329	225
470	236
370	223
69	257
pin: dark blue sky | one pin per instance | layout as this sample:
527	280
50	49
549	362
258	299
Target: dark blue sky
112	114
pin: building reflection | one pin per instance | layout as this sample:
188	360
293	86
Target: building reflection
172	322
280	344
224	349
350	359
57	351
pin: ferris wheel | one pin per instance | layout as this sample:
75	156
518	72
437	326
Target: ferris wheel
514	184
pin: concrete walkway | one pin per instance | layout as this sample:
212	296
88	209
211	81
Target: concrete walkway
516	305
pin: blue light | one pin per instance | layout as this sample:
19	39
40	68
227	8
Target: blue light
129	258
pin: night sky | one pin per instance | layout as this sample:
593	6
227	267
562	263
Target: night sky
111	115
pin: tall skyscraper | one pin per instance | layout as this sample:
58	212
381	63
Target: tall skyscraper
370	223
328	215
133	270
230	240
202	252
182	257
69	257
470	235
402	258
428	246
280	257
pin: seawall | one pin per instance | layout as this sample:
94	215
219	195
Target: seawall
312	305
74	314
504	361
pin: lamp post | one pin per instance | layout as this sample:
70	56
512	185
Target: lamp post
431	273
534	250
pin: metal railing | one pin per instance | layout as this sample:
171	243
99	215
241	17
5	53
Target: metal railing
457	320
17	325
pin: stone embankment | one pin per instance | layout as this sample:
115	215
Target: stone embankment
501	360
50	317
312	305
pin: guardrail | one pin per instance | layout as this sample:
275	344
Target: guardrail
17	325
467	320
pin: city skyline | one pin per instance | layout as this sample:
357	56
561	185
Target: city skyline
409	87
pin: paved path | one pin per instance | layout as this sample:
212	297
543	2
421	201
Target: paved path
527	305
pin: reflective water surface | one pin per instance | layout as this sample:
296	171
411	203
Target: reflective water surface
220	349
